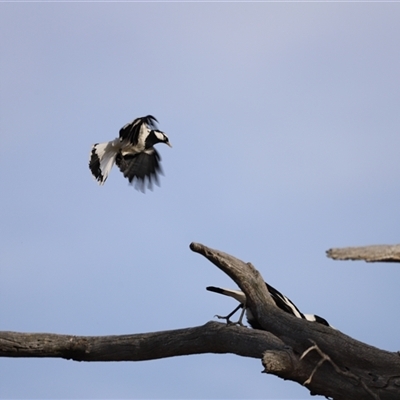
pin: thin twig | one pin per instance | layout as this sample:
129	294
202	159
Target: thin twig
325	357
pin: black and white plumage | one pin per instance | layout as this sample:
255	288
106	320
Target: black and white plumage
280	300
133	152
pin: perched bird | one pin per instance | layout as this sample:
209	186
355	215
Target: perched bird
281	301
133	152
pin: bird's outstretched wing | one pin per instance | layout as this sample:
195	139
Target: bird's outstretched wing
102	158
130	132
141	168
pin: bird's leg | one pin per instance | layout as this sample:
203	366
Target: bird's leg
227	318
241	315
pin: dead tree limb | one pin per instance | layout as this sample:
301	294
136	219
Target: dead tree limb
378	370
323	359
376	253
213	337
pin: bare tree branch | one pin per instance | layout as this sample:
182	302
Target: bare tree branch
325	357
340	367
376	253
378	370
213	337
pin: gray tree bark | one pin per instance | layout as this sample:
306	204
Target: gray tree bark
323	359
377	253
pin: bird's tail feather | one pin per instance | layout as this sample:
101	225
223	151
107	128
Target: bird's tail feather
236	294
102	158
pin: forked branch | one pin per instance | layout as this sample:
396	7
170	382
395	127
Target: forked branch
353	370
377	372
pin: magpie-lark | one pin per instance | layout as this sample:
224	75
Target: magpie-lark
133	152
281	301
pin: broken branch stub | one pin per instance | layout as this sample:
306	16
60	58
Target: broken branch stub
243	274
375	253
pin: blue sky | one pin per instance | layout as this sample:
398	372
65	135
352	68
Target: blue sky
285	125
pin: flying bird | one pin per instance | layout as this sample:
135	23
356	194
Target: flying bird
133	152
280	300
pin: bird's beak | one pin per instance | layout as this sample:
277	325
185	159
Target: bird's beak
169	144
